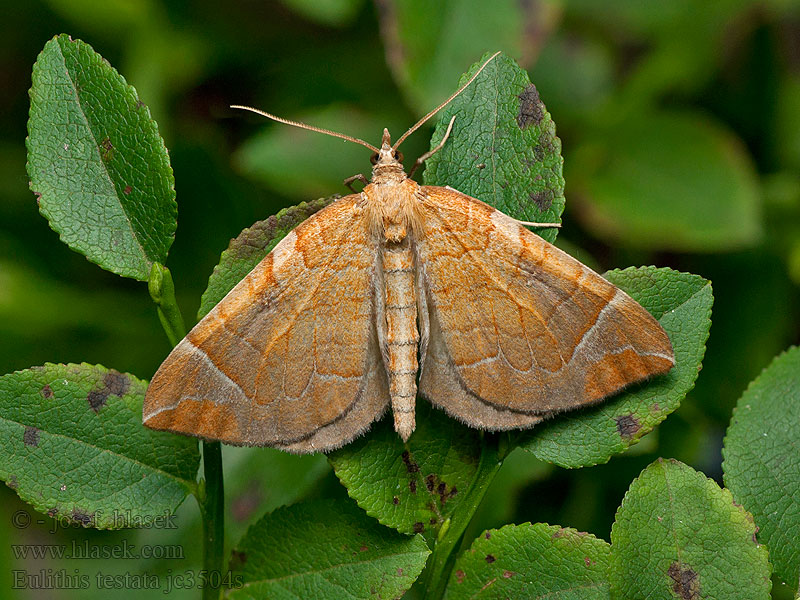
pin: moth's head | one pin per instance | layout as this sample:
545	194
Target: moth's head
387	162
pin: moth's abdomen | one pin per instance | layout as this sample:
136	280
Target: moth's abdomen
402	337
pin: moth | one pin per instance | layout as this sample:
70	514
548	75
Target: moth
399	289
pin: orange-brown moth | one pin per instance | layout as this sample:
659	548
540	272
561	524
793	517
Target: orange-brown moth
397	282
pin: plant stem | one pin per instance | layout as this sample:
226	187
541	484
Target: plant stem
162	291
210	493
443	556
212	502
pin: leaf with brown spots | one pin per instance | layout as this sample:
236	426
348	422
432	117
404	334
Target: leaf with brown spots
411	487
97	163
503	148
72	444
669	520
532	561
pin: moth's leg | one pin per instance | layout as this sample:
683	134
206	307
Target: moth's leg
349	181
430	153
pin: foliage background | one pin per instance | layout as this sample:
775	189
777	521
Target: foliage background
680	126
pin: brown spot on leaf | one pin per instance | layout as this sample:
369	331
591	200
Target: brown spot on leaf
460	576
432	521
30	437
453	491
419	527
627	426
395	500
543	199
559	533
430	482
490	558
128	189
487	535
362	548
12	482
114	383
411	466
399	572
108	149
47	392
81	517
531	109
238	559
508	574
52	512
140	104
97	400
685	582
412	485
481	166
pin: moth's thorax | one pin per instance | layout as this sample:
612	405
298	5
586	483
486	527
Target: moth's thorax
393	207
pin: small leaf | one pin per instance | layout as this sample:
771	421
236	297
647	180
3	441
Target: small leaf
668	181
251	246
678	535
682	304
503	148
97	163
532	561
327	549
762	462
73	445
413	487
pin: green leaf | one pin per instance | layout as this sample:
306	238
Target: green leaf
671	181
762	461
72	444
251	246
327	12
97	163
326	549
678	535
682	304
426	42
532	561
414	487
503	147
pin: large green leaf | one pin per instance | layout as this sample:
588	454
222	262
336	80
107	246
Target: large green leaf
72	444
532	561
417	486
248	249
678	535
682	304
97	163
664	180
762	460
503	147
325	549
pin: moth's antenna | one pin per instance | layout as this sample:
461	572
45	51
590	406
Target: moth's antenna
304	126
443	104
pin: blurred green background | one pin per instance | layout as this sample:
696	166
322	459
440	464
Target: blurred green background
680	123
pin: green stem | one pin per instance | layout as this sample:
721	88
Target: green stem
443	556
210	492
162	291
212	502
